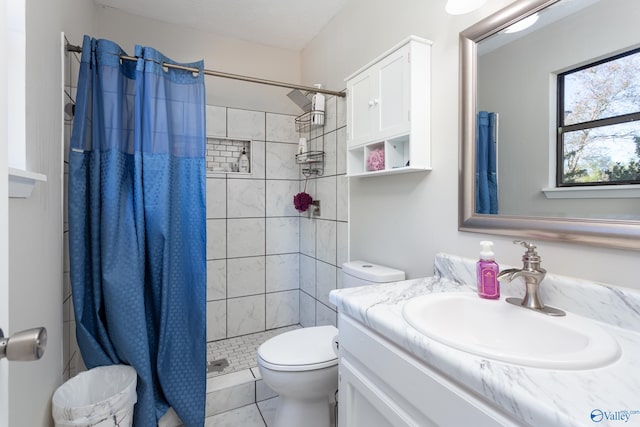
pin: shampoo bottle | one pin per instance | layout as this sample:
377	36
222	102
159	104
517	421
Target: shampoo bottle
302	150
487	272
243	161
317	107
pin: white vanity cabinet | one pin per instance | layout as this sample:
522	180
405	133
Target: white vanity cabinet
383	385
388	109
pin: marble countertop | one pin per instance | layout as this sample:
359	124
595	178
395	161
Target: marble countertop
533	396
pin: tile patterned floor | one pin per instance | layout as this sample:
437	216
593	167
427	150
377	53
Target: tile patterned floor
255	415
240	352
261	414
228	385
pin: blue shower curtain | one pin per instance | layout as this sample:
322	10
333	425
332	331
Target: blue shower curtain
137	230
486	177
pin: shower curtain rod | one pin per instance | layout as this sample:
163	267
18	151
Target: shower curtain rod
73	48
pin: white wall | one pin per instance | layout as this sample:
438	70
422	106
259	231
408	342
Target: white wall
220	54
404	220
35	224
15	42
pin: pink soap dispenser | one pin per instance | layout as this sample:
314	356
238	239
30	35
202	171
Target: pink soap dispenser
487	272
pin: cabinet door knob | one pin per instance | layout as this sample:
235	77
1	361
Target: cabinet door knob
376	101
371	103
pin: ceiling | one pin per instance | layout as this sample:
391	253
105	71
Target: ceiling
547	16
289	24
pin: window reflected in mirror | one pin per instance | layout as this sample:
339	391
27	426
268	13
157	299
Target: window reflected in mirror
599	122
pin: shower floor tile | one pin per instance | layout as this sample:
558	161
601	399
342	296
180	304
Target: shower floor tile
239	352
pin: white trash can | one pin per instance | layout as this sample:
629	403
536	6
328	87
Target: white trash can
100	397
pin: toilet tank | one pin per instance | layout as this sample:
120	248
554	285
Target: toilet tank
362	273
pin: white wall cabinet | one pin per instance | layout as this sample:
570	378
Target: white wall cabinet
382	385
388	108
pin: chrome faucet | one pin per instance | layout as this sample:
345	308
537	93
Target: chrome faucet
533	275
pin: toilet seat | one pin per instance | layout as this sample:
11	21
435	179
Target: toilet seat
304	349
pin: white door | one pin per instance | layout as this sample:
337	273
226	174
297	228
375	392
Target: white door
31	273
4	221
4	270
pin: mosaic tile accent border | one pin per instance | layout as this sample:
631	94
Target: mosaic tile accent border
223	154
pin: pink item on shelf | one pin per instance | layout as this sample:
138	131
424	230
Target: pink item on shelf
375	161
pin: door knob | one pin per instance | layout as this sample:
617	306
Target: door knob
23	346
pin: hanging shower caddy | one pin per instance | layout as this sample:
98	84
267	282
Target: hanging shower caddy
313	160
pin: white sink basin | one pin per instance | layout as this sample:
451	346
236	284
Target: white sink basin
501	331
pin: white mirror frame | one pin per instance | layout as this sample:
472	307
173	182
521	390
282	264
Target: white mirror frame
619	234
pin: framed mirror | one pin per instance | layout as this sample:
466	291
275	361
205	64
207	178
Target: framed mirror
515	74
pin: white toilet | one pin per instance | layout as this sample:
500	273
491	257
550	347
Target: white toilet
302	366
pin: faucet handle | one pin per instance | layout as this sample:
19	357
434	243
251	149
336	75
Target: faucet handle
530	246
530	256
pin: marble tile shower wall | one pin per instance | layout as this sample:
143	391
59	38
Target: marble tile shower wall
323	239
252	228
71	360
268	266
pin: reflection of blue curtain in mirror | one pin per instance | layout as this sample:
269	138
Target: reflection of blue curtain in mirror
486	177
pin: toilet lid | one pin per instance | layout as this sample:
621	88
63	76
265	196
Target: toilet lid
303	349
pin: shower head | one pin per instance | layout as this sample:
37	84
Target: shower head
301	99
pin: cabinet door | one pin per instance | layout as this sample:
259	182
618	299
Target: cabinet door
392	98
360	106
362	404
